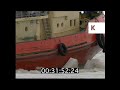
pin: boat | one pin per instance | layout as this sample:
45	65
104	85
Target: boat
50	38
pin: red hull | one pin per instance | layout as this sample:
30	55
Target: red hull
53	59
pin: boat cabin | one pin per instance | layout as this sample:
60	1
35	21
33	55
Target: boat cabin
42	25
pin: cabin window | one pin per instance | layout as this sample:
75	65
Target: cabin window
70	22
58	25
61	24
26	29
74	22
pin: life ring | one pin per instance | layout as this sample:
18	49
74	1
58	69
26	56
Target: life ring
101	41
62	49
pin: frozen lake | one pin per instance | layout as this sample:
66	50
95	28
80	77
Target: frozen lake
93	69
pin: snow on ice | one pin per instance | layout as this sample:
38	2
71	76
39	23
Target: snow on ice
94	68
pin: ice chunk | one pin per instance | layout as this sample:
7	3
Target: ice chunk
72	63
97	62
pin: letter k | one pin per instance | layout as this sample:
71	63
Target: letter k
92	27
